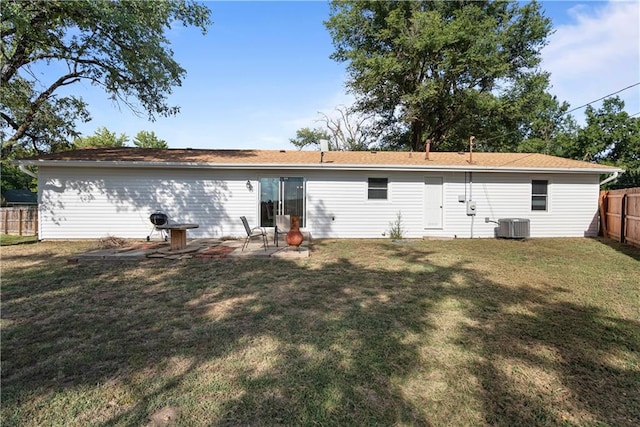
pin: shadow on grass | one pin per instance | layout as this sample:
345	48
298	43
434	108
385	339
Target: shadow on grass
275	342
623	248
552	362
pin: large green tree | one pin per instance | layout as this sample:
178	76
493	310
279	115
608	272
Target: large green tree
442	70
118	45
102	137
146	139
307	137
610	136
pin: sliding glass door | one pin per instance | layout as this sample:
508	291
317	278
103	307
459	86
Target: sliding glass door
281	196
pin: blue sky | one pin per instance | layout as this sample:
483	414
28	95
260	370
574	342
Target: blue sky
263	71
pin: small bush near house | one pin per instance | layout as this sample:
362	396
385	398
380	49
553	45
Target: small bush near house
396	231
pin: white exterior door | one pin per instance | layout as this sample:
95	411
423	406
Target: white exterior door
433	202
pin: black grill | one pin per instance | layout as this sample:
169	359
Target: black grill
158	219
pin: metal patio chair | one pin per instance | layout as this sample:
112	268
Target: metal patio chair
283	225
253	232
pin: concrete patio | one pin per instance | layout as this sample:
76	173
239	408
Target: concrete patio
196	248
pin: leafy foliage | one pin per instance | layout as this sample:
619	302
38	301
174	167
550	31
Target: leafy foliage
146	139
396	230
611	136
117	45
442	70
306	137
101	138
52	123
11	178
346	130
105	138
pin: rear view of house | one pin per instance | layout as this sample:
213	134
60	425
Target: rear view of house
92	193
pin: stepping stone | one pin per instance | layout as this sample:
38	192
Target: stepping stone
156	255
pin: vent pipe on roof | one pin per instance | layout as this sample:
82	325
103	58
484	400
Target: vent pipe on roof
427	149
324	147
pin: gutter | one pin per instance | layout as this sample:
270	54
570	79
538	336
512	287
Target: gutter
304	166
613	177
22	167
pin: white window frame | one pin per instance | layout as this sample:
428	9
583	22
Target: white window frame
386	189
540	195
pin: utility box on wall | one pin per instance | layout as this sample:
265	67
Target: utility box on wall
471	208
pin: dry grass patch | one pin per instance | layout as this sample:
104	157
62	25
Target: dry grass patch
365	332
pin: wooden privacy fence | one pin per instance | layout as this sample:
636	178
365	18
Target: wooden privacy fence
19	220
620	215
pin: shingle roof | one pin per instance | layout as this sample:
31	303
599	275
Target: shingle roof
311	159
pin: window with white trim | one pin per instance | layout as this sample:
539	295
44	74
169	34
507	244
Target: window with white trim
539	195
378	188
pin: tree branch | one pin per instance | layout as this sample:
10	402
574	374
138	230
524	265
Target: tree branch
34	106
9	120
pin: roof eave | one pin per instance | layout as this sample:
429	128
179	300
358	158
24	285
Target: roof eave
311	166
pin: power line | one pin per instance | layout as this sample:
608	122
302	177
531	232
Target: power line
572	110
600	99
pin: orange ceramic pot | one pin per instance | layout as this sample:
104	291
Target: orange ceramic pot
294	236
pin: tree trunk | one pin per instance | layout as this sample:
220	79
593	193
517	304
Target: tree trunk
416	135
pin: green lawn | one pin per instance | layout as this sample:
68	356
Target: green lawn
364	332
8	239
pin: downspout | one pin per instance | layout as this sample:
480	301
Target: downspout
24	170
603	217
473	217
611	178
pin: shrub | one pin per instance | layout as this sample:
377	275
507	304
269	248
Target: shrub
396	230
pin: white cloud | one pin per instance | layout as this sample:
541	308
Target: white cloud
596	54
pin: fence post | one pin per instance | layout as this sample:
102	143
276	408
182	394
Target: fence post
20	218
623	208
604	208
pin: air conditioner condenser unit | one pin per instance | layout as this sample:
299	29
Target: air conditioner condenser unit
513	228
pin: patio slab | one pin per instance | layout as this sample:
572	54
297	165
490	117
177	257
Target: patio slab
112	254
196	248
271	252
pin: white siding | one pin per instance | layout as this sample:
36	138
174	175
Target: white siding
95	202
572	204
88	203
338	206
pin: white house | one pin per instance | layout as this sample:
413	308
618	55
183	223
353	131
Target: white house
97	192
